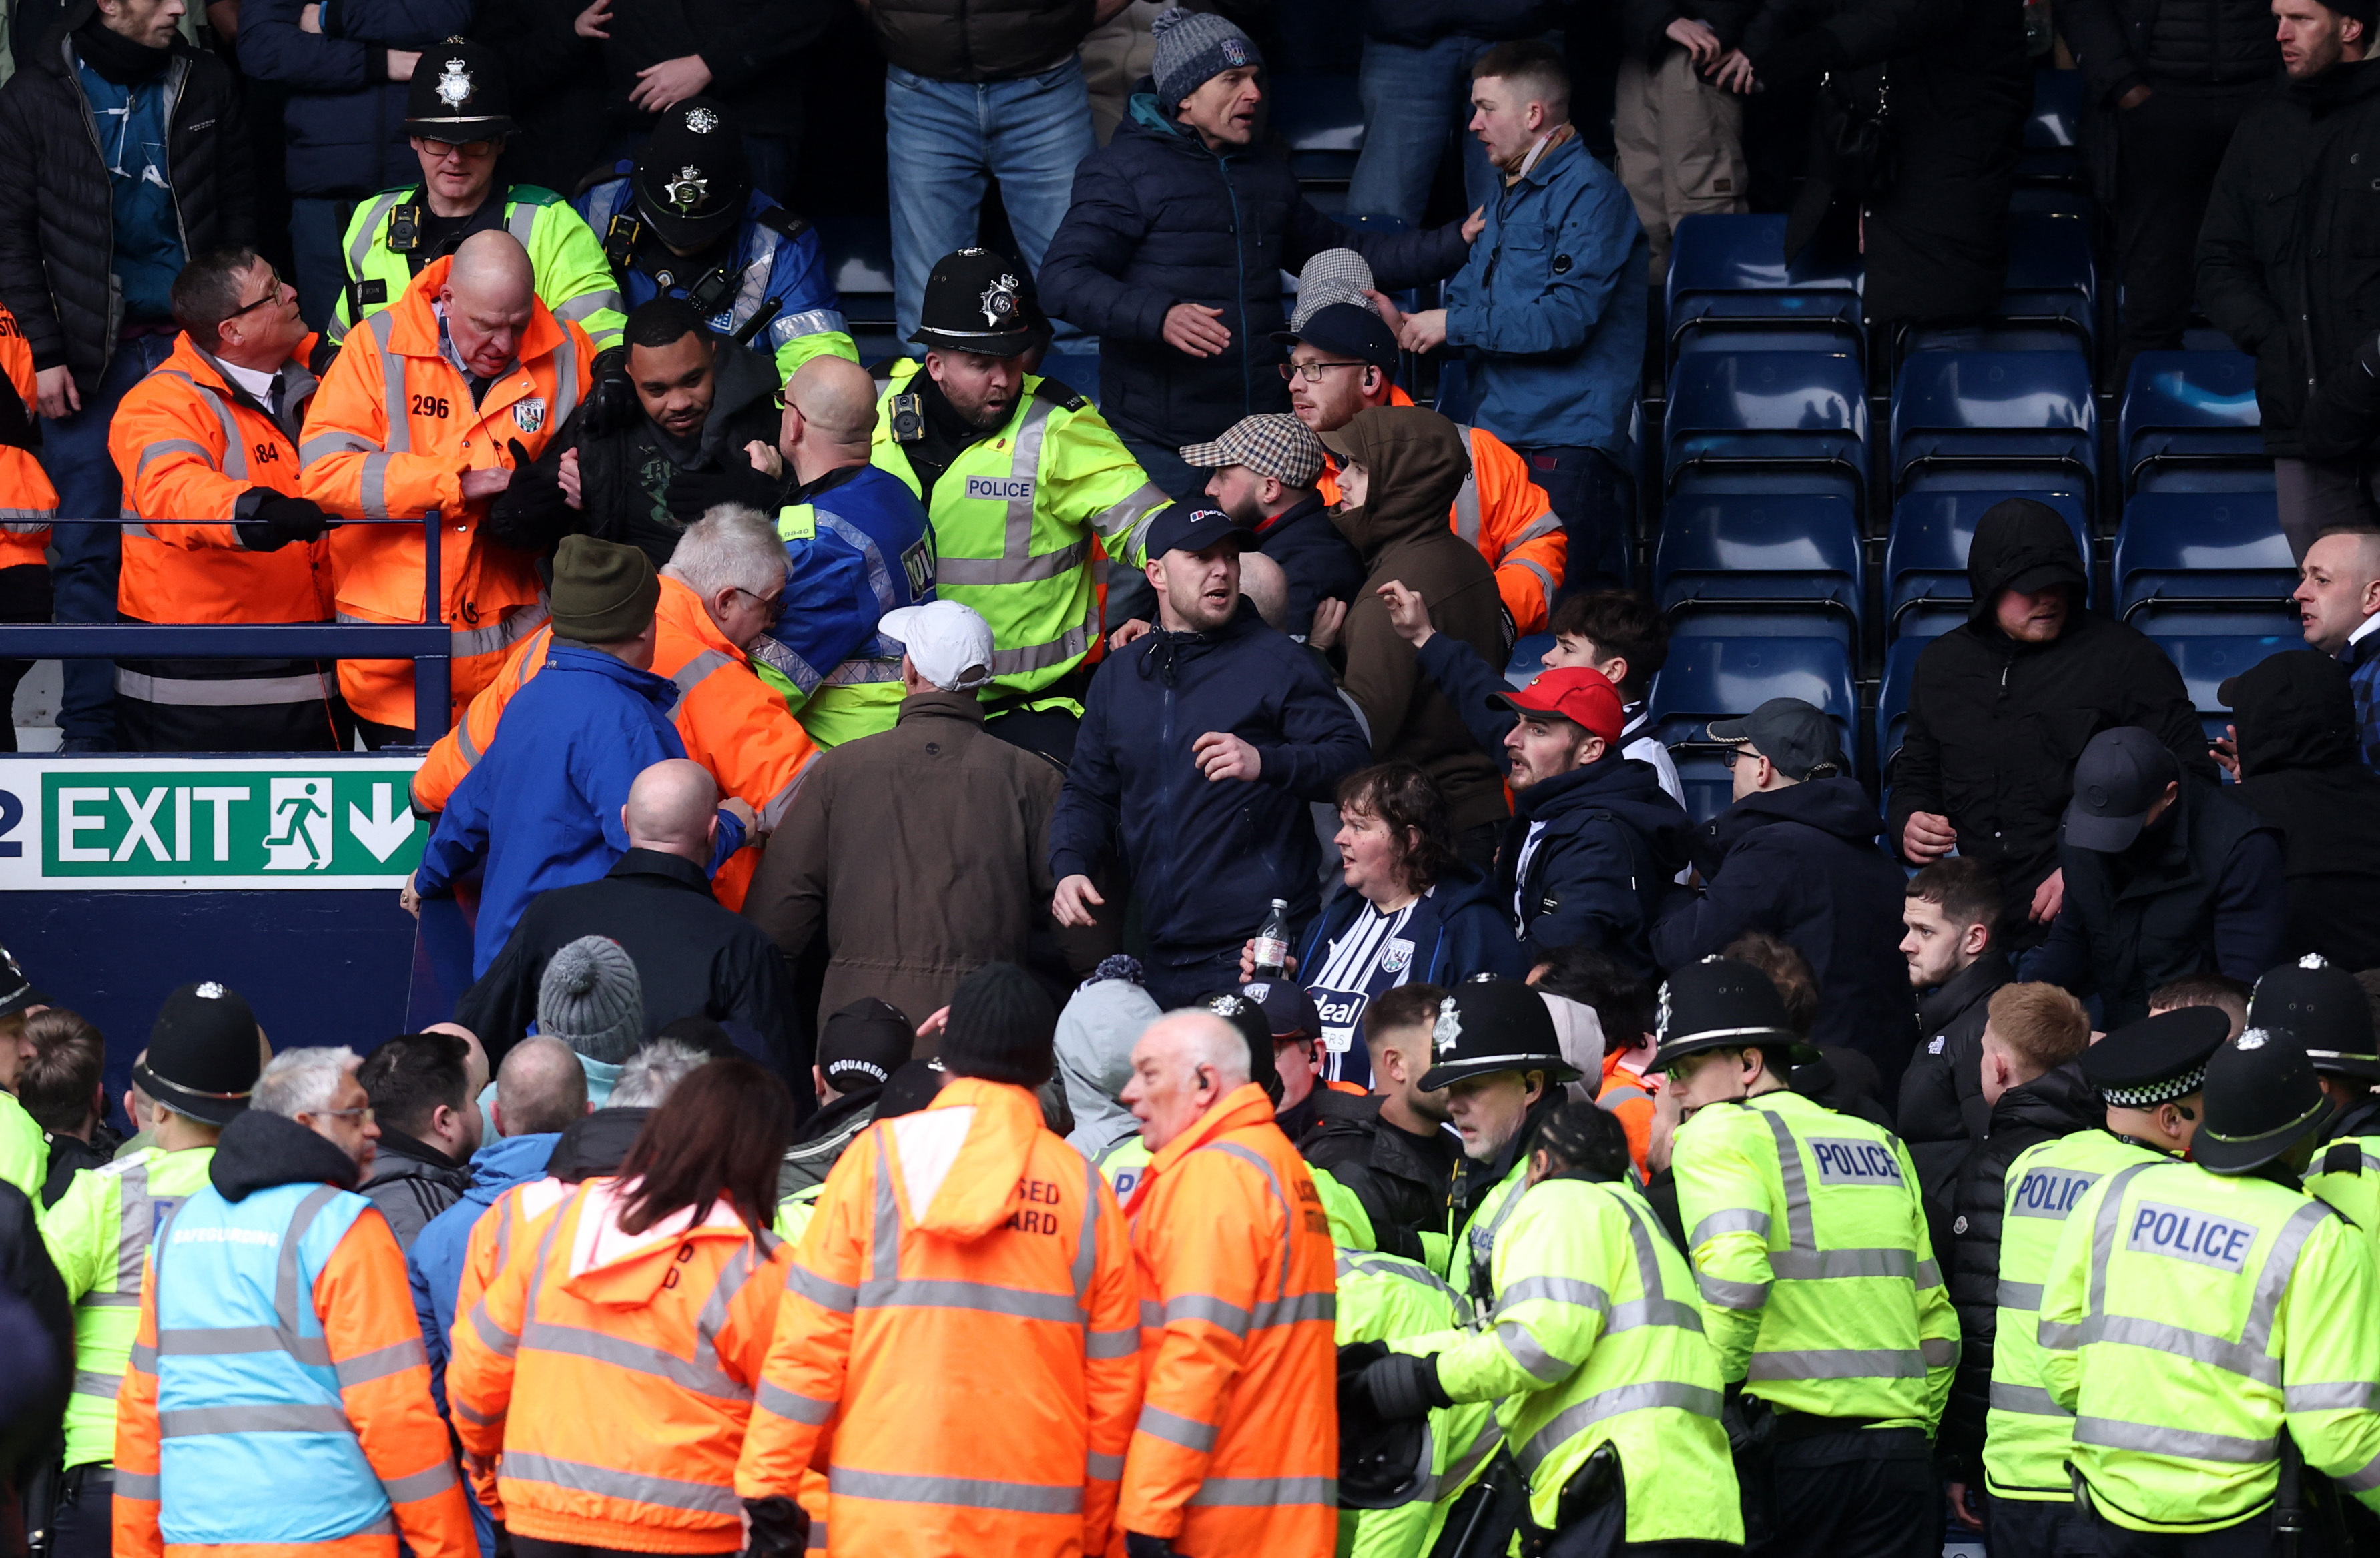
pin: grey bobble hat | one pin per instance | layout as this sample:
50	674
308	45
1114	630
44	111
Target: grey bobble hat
1193	48
591	999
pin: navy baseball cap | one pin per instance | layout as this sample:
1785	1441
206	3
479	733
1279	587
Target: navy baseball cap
1287	1007
2123	773
1180	529
1348	330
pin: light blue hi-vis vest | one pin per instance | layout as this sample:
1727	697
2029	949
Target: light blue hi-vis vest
254	1442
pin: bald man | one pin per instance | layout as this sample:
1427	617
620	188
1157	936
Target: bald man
857	546
433	404
661	438
695	958
2338	609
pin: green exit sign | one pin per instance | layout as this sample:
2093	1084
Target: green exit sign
262	823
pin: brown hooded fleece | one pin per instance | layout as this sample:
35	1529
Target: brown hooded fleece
1415	462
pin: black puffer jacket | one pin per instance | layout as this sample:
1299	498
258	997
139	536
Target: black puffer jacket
2049	1107
1402	1182
1942	1113
2171	44
1157	220
58	217
2289	259
979	40
1996	726
2300	771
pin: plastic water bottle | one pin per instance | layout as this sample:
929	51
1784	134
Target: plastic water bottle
1272	942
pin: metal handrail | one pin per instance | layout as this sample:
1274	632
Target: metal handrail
427	643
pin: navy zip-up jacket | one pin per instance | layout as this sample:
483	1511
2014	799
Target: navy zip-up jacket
1611	845
1208	857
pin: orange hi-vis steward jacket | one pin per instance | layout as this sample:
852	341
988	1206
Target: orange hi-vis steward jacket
731	724
27	498
191	444
391	431
369	1336
1237	1446
1506	517
1623	1093
512	1223
613	1373
959	1345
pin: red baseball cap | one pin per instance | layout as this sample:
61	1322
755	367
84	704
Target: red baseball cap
1580	694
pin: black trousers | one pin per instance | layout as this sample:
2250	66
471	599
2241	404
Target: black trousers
1862	1493
83	1524
24	597
2250	1538
2167	151
1602	1532
2037	1529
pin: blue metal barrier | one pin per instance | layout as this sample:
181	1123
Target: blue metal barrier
428	645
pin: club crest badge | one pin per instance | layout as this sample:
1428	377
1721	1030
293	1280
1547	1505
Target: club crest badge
528	414
454	84
1397	956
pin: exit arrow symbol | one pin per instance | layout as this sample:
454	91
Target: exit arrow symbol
380	833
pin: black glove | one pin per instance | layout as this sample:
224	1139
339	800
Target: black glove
530	513
691	493
778	1527
1137	1544
279	521
1402	1387
612	405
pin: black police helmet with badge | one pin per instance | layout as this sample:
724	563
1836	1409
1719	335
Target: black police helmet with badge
2325	1008
205	1056
2263	1098
981	302
458	94
1383	1461
691	181
17	992
1722	1004
1486	1025
2157	1059
1236	1009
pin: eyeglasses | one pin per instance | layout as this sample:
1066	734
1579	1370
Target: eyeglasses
362	1113
1312	371
469	150
1728	758
772	604
273	293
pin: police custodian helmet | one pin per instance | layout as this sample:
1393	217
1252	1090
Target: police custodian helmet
978	301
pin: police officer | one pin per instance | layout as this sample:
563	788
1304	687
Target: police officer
684	221
1594	1355
1019	474
1818	1285
200	1065
2328	1011
2195	1310
2152	1075
458	112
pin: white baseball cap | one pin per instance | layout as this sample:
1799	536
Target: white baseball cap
949	643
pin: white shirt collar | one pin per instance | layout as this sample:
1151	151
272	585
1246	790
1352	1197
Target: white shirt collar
2369	623
256	383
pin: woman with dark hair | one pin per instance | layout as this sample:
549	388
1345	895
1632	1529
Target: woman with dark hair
620	1410
1414	912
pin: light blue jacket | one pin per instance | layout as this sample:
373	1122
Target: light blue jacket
1549	309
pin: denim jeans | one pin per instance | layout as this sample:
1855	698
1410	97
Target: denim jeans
1591	491
74	450
1415	99
942	140
317	223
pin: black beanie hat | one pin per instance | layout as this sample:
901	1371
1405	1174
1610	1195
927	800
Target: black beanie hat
1000	1028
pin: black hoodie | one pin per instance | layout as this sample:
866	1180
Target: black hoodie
258	1151
1996	726
2295	716
1609	844
1801	863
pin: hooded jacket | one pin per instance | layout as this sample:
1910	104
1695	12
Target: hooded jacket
434	1263
1096	1033
2056	1104
411	1182
1996	726
961	1254
1206	857
1157	219
1801	863
581	1429
1608	844
1415	461
2295	718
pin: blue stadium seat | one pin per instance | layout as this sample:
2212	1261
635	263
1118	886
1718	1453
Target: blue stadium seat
2189	424
860	258
2206	660
2017	417
1321	119
1892	701
1707	679
2056	124
1925	590
2050	172
1767	413
1079	371
2204	563
2049	302
1744	564
1528	659
1731	289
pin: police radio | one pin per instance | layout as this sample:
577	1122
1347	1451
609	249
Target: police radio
621	238
710	295
908	418
404	227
